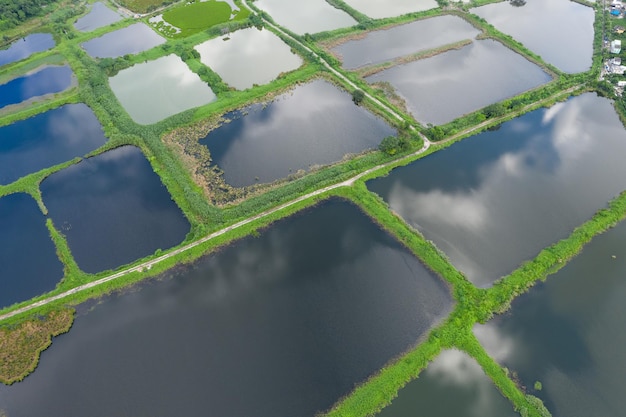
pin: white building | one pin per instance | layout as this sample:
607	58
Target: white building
616	46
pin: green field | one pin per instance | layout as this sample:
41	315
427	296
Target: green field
193	18
143	6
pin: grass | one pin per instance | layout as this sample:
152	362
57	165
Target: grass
143	6
21	346
196	17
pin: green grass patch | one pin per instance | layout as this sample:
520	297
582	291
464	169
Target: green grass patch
144	6
21	346
196	17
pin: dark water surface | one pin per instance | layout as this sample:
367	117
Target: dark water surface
28	262
453	385
48	139
129	40
113	209
99	15
24	47
316	123
280	325
496	199
569	333
48	80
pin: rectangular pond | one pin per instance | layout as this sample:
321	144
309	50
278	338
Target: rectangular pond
28	262
452	385
278	325
316	123
99	16
242	60
378	9
385	45
441	88
568	333
496	199
306	16
25	47
125	212
560	31
158	89
48	139
47	80
129	40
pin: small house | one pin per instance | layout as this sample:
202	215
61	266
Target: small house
616	46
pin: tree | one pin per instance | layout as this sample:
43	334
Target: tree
358	96
494	110
391	145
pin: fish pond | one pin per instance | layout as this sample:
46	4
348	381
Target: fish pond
306	16
565	338
28	262
278	325
560	31
155	90
452	385
129	40
48	80
316	123
422	35
496	199
99	16
441	88
25	47
113	209
245	49
48	139
379	9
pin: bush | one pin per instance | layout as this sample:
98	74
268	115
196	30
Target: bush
391	145
358	96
